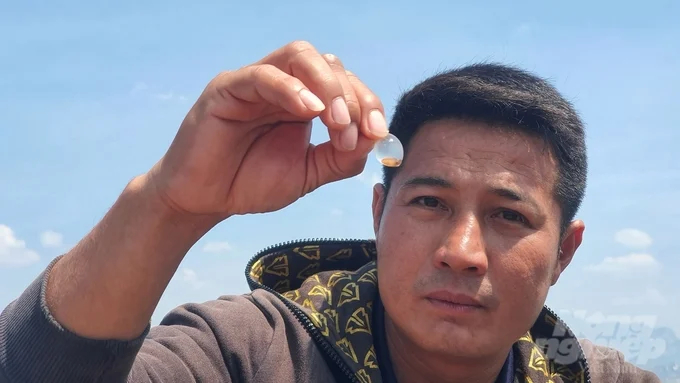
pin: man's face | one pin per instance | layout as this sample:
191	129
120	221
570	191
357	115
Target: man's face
469	217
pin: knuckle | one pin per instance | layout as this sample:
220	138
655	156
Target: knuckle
332	59
331	83
258	72
267	73
371	99
264	71
220	78
299	46
223	74
290	82
352	103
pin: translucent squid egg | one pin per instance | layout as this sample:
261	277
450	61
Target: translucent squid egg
389	151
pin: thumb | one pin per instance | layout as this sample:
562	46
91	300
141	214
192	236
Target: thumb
326	164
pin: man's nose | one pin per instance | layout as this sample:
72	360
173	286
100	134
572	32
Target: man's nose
462	248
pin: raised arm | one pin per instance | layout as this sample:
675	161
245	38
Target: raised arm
242	148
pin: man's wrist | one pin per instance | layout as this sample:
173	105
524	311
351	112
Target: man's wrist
108	285
155	203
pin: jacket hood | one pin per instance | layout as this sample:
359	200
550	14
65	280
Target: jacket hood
332	285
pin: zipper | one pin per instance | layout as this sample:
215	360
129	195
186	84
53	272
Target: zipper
314	332
586	368
297	312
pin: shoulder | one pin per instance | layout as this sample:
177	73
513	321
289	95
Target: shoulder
607	364
232	319
252	335
234	332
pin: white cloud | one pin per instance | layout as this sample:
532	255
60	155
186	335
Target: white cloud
633	238
169	96
52	239
13	251
164	96
635	262
217	247
336	212
190	277
650	296
139	88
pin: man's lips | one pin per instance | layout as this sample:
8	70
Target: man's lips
454	299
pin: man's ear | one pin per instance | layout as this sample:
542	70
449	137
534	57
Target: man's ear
571	240
378	206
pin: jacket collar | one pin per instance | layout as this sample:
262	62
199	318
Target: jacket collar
334	282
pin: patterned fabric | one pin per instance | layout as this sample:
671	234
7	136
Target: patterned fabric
286	270
341	306
335	284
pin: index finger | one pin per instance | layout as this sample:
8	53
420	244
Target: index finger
373	123
301	60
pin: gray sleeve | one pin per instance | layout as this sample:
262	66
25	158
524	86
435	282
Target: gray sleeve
201	342
35	348
609	365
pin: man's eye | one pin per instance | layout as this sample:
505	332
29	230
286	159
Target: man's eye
429	202
513	216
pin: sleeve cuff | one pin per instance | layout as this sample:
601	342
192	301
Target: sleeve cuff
34	347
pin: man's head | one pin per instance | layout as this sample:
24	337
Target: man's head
482	207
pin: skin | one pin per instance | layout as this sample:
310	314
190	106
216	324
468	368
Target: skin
243	148
443	226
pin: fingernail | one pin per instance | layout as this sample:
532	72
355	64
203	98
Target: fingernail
377	124
311	101
349	136
339	111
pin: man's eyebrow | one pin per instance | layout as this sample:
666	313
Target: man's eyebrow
504	192
428	181
515	195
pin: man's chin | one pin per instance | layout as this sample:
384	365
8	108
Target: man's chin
452	347
451	337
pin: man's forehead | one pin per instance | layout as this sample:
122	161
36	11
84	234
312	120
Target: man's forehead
447	147
482	136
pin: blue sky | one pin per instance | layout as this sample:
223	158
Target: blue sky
91	95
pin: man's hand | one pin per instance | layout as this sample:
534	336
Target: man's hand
244	146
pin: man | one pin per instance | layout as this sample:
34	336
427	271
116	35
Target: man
471	231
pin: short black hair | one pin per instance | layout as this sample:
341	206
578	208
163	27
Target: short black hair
501	95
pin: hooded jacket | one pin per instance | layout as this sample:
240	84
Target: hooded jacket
309	318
